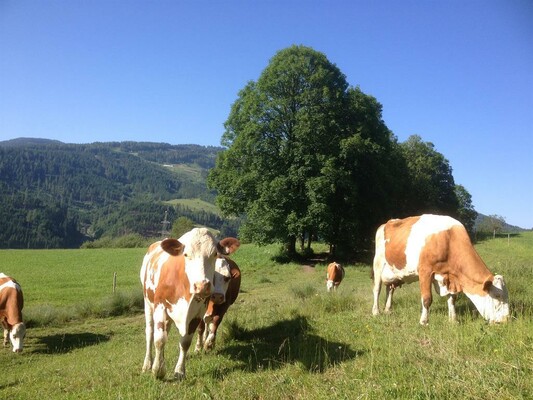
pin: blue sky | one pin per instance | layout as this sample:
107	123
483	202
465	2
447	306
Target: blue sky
457	73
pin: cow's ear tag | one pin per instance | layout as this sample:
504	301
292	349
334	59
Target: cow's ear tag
172	246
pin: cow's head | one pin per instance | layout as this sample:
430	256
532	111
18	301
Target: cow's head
16	335
221	280
200	250
496	304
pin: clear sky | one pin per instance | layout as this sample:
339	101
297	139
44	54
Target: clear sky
459	73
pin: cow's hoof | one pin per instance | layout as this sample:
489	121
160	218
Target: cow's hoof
159	373
147	367
179	376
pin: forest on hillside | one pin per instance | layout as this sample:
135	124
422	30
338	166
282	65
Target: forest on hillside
57	195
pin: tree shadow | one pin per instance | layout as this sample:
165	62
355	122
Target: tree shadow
66	342
286	342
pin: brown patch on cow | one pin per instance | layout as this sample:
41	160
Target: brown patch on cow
396	233
172	246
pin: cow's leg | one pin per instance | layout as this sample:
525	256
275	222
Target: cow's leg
212	332
377	287
425	296
200	340
149	330
389	289
6	337
185	343
451	307
160	338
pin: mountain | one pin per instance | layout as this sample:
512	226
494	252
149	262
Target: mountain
54	194
483	222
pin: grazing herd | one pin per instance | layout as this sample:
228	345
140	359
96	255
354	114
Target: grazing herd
192	282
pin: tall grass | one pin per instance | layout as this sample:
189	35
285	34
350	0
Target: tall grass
284	338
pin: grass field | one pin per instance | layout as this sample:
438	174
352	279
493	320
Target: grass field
284	338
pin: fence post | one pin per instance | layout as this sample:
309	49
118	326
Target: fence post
114	282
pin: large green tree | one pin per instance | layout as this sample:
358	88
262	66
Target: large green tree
303	152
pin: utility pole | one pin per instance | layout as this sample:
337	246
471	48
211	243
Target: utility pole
166	223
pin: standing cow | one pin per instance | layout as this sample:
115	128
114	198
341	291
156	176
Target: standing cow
216	310
11	304
436	249
177	278
334	276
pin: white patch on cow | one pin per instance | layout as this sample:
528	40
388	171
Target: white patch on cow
221	277
179	313
17	334
494	306
9	284
151	279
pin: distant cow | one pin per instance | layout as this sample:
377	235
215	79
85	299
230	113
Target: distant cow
436	249
11	304
334	276
177	278
216	310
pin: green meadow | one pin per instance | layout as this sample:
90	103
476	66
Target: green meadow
284	338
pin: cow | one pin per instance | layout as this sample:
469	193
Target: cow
177	279
11	304
334	276
436	249
216	310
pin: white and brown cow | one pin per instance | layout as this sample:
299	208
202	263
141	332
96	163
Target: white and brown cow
217	309
436	249
177	278
11	304
334	276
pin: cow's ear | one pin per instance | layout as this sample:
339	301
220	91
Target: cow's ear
487	284
172	246
228	245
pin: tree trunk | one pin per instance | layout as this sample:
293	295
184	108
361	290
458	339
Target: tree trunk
290	245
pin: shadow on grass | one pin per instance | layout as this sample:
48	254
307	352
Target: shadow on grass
286	342
66	342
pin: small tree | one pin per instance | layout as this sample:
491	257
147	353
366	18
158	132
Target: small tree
493	224
181	225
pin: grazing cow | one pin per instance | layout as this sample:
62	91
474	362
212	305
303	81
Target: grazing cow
436	249
334	276
11	304
216	310
177	278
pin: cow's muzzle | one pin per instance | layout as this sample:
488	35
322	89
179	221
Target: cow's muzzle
217	298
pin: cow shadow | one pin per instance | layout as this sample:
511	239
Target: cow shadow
285	342
66	342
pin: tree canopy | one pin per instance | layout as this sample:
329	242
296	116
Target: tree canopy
307	155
